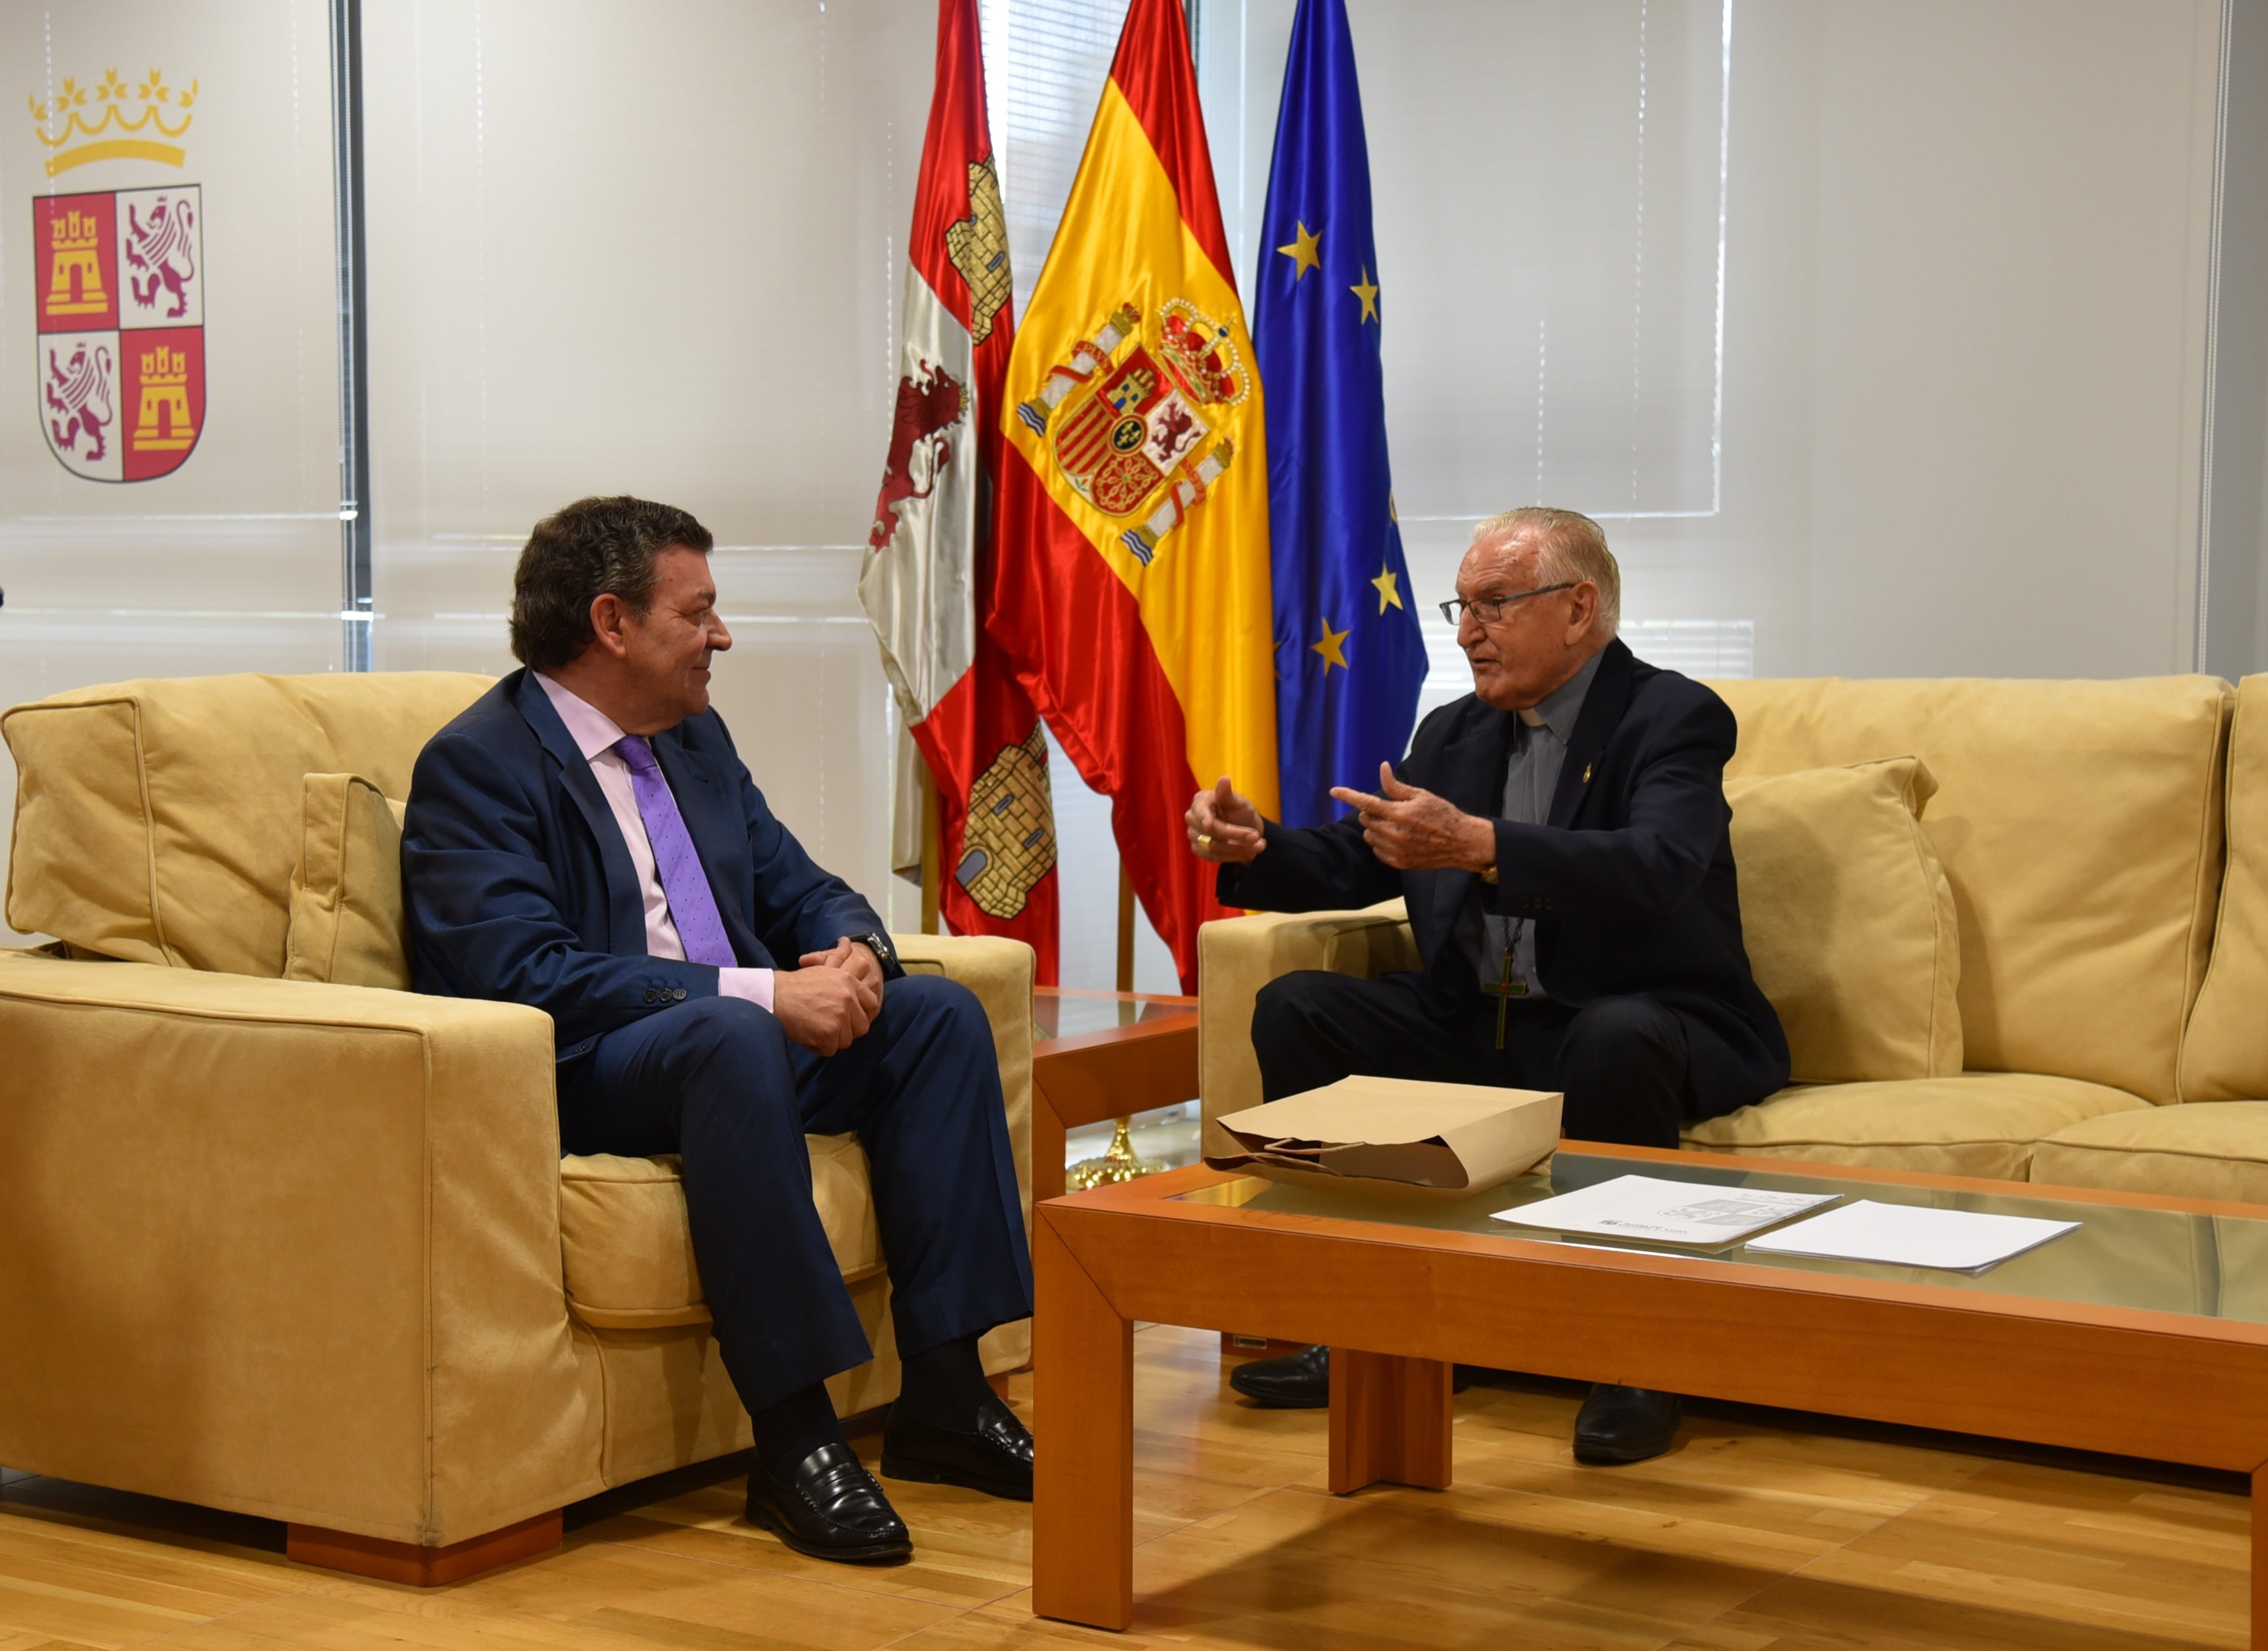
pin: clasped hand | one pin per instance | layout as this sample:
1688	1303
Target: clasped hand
1414	830
826	1003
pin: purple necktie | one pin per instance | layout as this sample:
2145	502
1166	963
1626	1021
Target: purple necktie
691	902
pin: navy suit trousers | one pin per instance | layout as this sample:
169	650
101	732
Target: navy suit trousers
717	1081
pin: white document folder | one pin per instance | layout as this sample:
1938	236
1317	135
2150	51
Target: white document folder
1913	1235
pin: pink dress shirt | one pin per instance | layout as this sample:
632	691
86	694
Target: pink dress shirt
594	733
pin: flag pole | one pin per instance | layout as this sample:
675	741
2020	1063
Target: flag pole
1125	929
932	852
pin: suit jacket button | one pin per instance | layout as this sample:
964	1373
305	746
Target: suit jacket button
649	994
679	994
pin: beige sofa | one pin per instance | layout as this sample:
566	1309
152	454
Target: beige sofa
2019	976
306	1248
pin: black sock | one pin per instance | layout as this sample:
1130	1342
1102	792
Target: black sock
791	1430
945	1385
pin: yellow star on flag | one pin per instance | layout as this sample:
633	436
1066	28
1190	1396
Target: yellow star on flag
1366	290
1331	648
1304	252
1389	590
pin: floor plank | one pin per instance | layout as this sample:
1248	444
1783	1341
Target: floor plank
1760	1532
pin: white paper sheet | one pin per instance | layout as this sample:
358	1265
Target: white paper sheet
1664	1212
1910	1235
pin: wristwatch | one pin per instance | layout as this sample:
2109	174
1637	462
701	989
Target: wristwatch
879	945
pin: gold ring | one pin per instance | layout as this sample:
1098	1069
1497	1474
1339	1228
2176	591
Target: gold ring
1205	840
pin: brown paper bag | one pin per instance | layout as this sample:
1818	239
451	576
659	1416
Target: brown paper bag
1447	1139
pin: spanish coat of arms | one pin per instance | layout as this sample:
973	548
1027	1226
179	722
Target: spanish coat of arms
1133	441
118	290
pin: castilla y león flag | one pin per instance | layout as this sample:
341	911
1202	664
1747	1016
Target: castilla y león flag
928	578
1133	497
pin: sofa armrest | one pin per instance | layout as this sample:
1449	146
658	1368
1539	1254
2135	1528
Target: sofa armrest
1000	972
1236	956
286	1247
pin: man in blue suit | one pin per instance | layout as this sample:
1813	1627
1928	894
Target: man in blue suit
1561	837
586	839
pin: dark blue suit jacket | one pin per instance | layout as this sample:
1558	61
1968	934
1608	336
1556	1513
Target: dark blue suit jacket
517	884
1629	883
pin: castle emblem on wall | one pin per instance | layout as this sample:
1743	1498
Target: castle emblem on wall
118	287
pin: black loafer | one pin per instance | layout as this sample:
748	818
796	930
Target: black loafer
1298	1380
996	1458
831	1508
1623	1425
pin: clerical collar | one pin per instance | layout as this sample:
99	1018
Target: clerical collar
1559	709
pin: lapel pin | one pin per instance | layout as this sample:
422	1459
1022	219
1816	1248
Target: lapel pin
1586	773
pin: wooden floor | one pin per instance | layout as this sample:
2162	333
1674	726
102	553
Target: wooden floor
1758	1533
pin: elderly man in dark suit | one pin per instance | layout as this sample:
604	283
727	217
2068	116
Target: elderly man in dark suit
1560	835
586	839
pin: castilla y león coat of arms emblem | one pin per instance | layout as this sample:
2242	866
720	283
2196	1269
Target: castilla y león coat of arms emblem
118	287
1131	433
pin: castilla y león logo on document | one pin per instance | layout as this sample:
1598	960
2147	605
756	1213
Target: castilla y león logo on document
118	285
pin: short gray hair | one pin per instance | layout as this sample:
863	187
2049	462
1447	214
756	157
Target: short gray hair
1569	549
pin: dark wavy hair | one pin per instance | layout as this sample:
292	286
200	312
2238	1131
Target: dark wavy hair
594	548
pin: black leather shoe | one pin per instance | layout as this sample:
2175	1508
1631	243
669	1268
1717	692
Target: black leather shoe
1298	1380
996	1458
831	1508
1622	1424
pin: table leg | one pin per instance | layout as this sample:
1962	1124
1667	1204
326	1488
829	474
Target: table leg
2260	1556
1390	1420
1048	1134
1083	1476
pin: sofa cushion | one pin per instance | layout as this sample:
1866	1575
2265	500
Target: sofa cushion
627	1242
2080	826
1977	1123
1848	919
160	821
346	891
2225	1051
2215	1149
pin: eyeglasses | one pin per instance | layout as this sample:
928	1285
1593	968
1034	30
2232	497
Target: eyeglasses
1489	609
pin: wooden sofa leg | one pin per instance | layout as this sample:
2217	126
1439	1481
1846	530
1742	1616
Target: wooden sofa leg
407	1563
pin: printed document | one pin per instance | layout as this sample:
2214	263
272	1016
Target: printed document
1913	1235
1665	1212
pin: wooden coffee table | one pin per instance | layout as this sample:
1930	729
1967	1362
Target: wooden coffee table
2143	1334
1101	1055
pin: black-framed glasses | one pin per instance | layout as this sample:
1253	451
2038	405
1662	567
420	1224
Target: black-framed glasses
1489	609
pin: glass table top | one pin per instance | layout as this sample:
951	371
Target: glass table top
2215	1266
1063	1015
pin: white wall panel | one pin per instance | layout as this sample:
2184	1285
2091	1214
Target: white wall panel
1966	263
656	251
232	561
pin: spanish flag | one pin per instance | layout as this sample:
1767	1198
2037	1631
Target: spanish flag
1133	592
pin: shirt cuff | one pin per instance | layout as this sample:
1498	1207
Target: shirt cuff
755	985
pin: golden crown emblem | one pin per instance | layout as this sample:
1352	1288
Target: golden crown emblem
162	365
77	121
76	232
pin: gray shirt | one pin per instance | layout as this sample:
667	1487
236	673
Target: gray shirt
1539	749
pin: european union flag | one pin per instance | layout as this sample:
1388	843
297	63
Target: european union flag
1349	655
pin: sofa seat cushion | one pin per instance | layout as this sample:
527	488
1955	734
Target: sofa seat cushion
2206	1149
629	1244
1849	921
1976	1123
